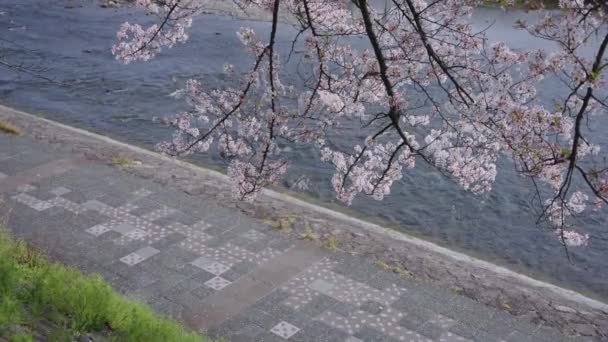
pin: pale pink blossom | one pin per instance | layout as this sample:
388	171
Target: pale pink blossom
424	88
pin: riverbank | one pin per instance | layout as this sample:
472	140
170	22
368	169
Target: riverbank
540	305
95	92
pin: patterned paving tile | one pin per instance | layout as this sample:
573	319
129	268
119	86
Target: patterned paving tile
364	307
320	278
95	205
253	235
442	321
372	307
67	205
132	259
332	300
202	262
32	202
26	188
217	283
156	233
140	193
158	213
123	228
136	234
216	268
60	191
194	238
353	339
147	252
201	225
285	330
322	286
139	256
128	207
98	230
451	337
210	265
210	253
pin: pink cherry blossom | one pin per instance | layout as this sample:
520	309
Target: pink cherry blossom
426	88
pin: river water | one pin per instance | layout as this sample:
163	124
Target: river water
71	39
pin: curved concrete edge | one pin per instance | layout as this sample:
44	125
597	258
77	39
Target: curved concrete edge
371	227
475	262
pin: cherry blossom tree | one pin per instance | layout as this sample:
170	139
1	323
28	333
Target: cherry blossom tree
425	88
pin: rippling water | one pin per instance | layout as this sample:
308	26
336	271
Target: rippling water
99	94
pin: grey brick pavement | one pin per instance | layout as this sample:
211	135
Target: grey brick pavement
220	271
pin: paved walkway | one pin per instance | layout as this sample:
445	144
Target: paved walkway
219	271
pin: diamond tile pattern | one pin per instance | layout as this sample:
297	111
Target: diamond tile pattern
185	261
132	259
97	230
285	330
217	283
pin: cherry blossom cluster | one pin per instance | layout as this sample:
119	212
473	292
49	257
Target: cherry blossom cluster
424	87
139	43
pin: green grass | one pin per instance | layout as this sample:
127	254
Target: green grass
40	299
332	243
396	269
9	128
121	161
309	235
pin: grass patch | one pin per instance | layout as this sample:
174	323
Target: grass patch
284	224
308	235
457	291
9	128
121	161
332	243
395	269
42	300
